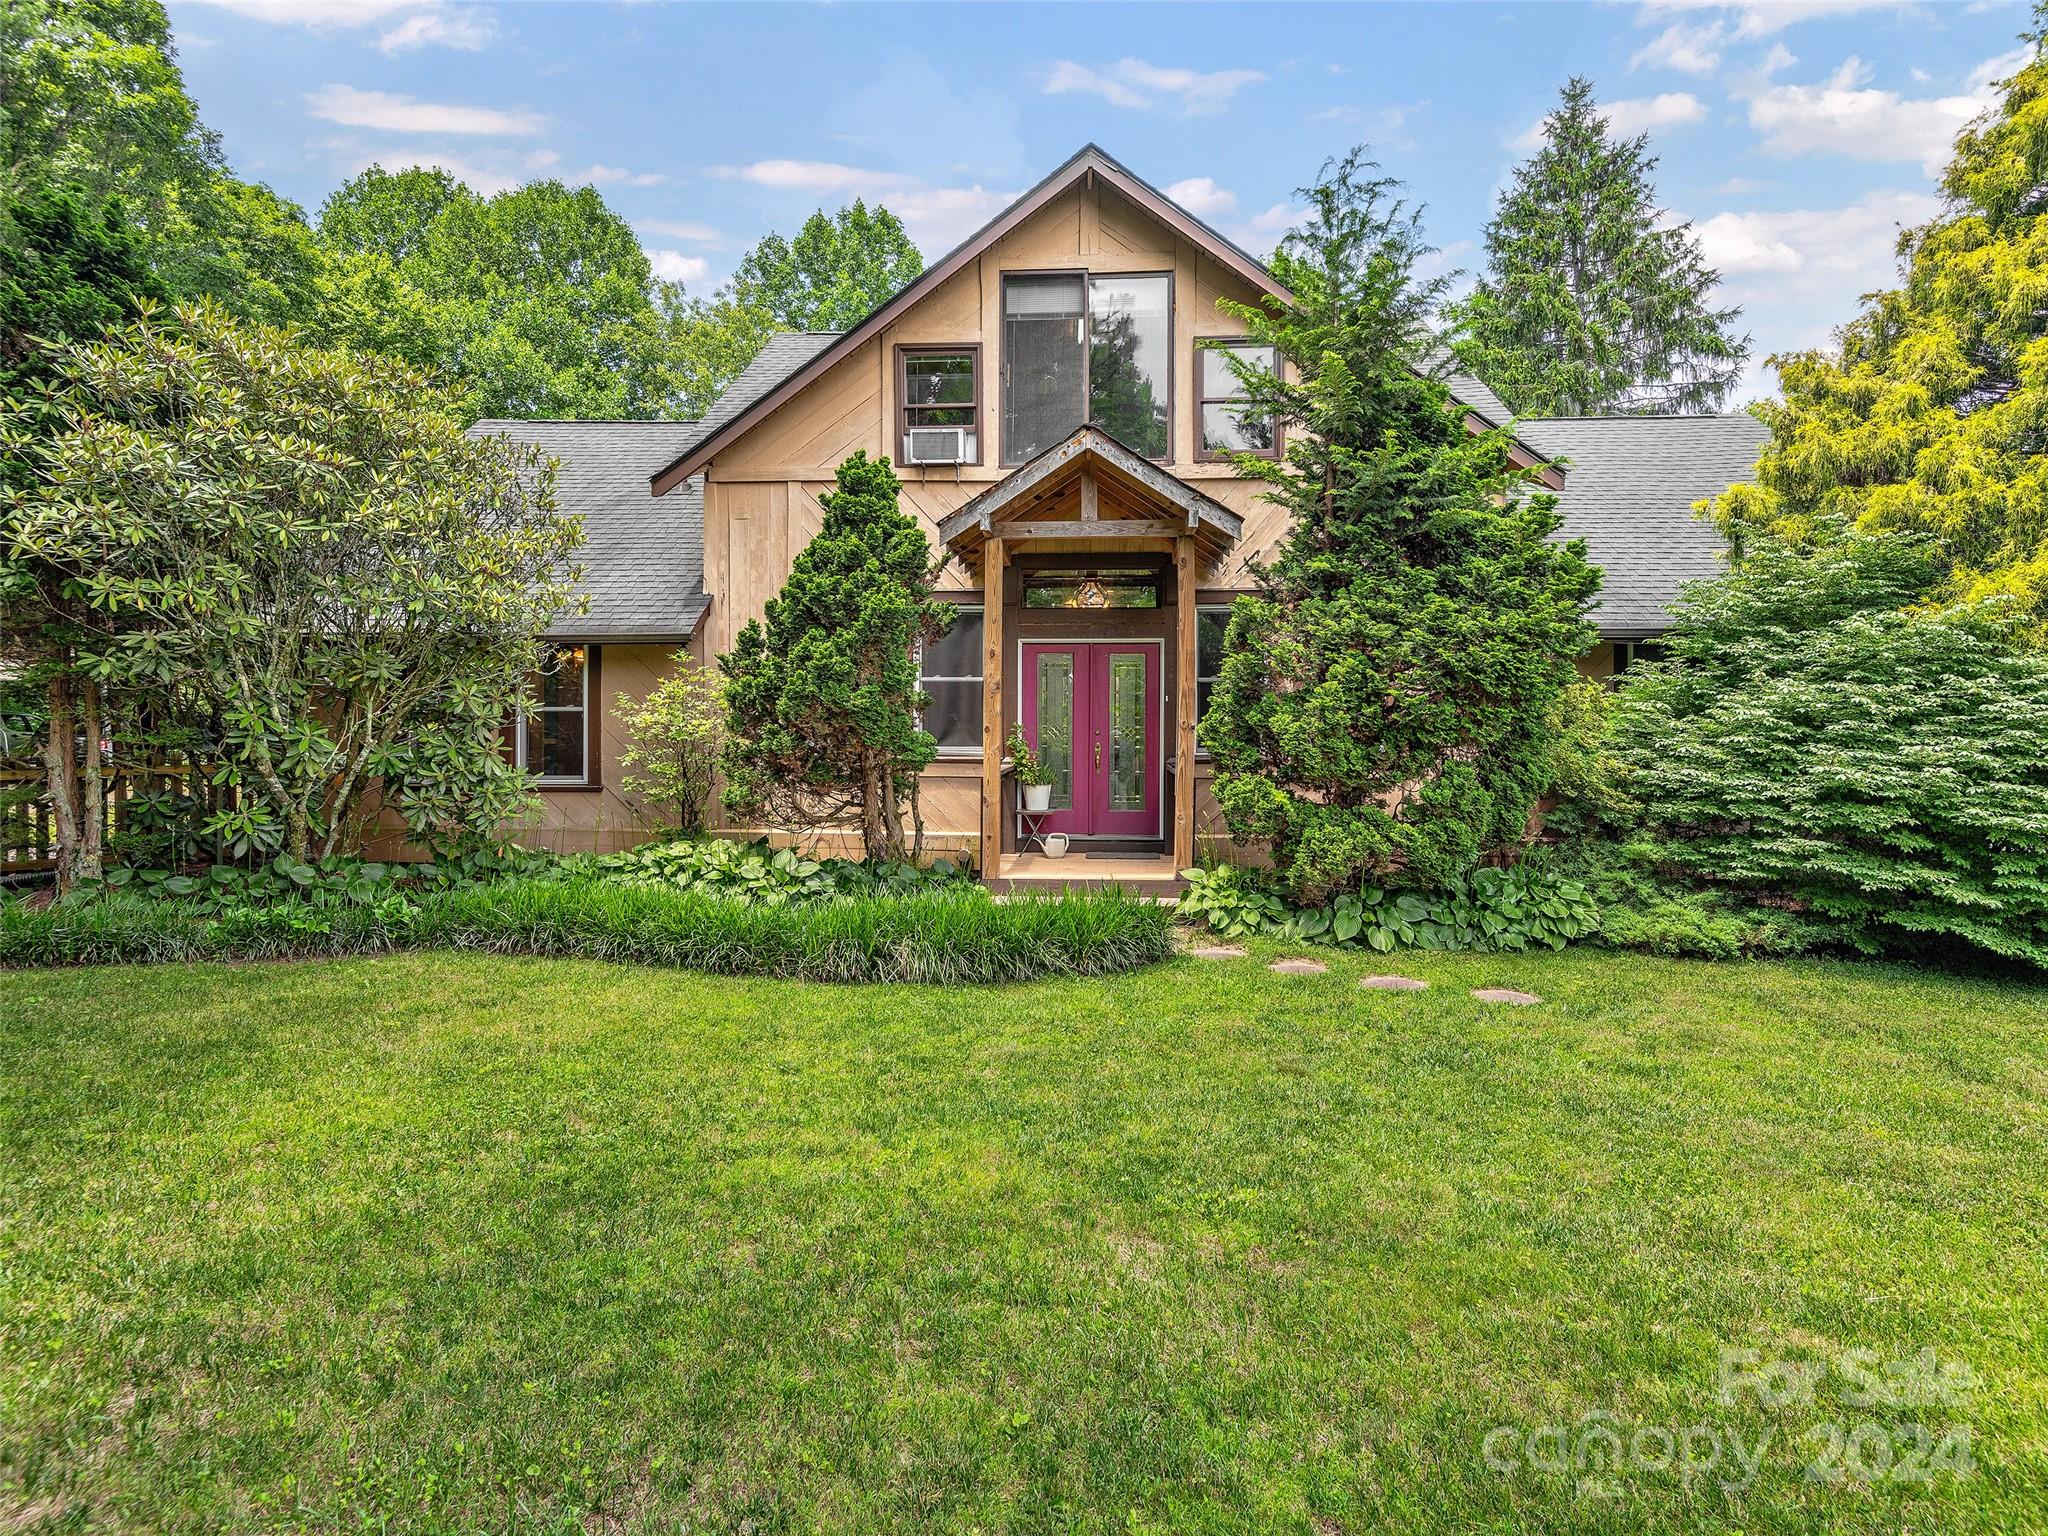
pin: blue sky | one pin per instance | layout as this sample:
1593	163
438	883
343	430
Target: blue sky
1796	136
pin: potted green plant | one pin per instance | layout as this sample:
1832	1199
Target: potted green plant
1033	777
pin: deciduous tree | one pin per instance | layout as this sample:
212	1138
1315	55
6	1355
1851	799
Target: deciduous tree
301	549
673	738
1821	744
833	274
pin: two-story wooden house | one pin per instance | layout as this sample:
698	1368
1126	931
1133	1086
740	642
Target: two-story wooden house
1061	433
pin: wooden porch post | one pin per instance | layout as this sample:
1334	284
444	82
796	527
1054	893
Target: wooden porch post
1184	558
992	557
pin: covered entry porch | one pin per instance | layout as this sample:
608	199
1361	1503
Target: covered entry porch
1090	559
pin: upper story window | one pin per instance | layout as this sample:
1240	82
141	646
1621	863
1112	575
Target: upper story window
1078	347
1221	422
938	393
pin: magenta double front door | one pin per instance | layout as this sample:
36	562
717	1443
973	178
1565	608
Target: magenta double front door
1091	709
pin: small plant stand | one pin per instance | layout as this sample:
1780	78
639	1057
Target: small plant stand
1031	829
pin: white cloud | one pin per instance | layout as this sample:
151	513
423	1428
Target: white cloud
1262	231
419	23
1137	84
675	267
1762	18
1691	50
936	218
1830	254
1798	274
685	229
1202	197
352	108
1630	116
1737	186
468	28
610	175
1337	115
1842	115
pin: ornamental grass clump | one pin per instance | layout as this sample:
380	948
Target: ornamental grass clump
950	935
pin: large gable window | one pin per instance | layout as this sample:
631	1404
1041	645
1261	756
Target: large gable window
551	739
1081	348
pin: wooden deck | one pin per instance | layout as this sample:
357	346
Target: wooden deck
1141	874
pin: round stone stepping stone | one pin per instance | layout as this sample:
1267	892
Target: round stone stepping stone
1505	995
1216	952
1298	967
1393	983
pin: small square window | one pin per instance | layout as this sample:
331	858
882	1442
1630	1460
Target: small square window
938	394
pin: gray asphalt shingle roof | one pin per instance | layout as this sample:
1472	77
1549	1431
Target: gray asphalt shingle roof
643	555
1629	489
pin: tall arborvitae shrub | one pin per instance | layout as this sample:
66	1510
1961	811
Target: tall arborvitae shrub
1386	697
823	689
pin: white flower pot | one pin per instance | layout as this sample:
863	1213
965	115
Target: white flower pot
1037	797
1055	845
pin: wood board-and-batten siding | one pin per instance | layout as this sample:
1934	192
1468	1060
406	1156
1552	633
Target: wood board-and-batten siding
761	496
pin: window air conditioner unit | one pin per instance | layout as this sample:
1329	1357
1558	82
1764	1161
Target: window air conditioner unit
935	445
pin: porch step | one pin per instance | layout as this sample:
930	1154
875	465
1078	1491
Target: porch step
1139	874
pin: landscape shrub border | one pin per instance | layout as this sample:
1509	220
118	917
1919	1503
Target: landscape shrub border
938	937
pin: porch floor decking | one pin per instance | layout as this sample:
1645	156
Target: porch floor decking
1145	874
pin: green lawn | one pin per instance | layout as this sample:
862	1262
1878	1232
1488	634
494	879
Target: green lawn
435	1243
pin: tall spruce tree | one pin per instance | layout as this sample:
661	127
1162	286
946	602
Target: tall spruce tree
1589	305
1384	698
1931	415
822	690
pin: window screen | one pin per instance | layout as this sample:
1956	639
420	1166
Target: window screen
1045	364
949	670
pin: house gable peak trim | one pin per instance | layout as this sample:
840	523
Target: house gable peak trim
1088	161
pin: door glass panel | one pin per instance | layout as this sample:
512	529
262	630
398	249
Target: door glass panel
1055	743
1127	733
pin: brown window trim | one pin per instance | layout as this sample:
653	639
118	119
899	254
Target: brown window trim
978	405
1217	344
593	704
1087	274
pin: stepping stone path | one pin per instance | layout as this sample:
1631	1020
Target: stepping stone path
1393	983
1217	952
1505	995
1298	967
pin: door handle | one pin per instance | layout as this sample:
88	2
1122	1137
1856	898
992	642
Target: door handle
1098	753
